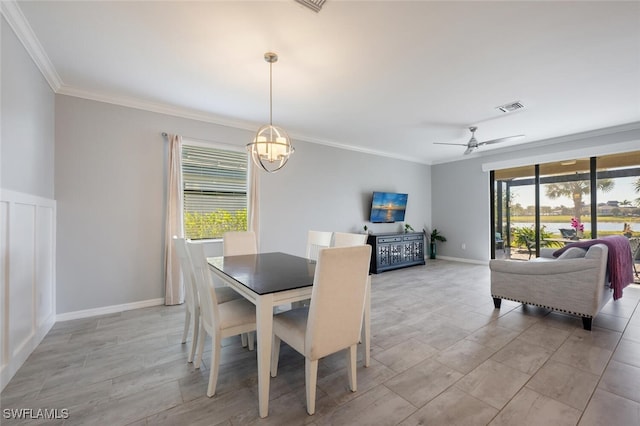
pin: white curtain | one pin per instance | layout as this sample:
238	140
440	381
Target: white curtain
253	200
174	289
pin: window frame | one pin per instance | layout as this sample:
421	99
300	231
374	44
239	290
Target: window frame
213	145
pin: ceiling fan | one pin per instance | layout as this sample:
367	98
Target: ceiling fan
473	143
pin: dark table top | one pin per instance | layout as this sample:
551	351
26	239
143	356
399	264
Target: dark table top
266	273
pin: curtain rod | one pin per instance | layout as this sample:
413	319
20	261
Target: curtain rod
166	135
206	141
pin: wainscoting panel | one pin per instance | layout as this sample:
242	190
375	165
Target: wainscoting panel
27	278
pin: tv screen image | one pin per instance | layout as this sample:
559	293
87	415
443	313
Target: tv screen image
388	207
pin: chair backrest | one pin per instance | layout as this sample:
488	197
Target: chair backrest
317	240
567	233
190	290
209	314
237	243
345	239
337	300
634	243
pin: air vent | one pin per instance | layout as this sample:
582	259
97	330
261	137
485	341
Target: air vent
314	5
510	107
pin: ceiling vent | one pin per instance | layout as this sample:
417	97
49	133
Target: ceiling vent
314	5
514	106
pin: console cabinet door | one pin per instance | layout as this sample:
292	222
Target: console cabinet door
392	251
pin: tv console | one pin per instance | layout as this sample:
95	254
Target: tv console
396	250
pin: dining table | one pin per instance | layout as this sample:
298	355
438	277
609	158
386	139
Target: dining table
273	279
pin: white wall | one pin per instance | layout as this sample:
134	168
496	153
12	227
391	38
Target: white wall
27	208
110	175
460	198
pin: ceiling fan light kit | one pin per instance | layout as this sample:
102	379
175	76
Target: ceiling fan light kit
473	143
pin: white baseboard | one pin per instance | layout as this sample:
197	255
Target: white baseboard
463	260
86	313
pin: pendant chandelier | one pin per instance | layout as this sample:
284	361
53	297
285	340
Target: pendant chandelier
271	147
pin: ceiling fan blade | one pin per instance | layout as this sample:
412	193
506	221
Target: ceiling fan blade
508	138
469	150
444	143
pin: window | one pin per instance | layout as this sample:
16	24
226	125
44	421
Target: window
215	191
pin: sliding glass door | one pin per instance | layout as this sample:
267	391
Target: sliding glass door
551	204
514	219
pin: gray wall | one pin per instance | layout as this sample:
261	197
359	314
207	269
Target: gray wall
460	197
27	106
328	189
110	173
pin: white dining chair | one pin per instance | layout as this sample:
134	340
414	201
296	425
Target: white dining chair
236	243
333	320
345	239
192	302
219	320
317	240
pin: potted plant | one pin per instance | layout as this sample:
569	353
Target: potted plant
407	228
433	237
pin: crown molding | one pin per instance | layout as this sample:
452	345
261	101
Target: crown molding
172	110
16	19
611	140
361	149
157	107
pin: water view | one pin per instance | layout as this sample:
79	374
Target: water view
554	227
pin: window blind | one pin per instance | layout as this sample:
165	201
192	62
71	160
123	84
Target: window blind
215	191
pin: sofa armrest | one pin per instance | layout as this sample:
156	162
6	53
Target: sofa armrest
549	267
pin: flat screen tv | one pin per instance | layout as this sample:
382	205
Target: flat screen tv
388	207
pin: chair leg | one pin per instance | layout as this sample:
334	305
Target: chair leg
194	341
201	340
251	338
311	379
366	324
275	354
352	357
187	321
497	302
243	339
586	323
215	365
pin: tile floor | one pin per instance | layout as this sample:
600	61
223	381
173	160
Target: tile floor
441	355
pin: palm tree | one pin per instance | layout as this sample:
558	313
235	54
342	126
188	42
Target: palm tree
636	187
576	190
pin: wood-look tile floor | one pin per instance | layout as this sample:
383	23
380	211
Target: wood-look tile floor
441	355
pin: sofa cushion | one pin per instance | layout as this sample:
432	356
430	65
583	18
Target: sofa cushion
573	253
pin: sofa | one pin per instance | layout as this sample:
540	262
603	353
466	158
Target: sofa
574	283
